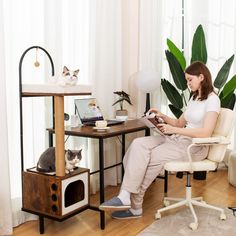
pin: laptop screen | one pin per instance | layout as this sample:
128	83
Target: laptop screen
88	110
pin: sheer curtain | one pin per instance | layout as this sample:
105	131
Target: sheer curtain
5	199
218	21
159	20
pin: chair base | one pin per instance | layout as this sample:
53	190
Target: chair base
189	201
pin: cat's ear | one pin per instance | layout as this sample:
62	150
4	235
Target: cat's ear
65	69
68	151
76	72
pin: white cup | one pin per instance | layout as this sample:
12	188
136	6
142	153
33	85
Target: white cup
101	123
74	120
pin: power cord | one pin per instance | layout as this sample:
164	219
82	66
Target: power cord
67	138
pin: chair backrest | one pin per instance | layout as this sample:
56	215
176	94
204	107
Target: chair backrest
224	127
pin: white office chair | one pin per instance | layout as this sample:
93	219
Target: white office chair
218	145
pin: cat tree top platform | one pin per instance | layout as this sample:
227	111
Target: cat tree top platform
53	90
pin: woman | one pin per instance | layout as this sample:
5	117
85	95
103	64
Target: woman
146	156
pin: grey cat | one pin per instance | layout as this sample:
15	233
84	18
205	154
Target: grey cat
46	162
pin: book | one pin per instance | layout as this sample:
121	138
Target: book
151	121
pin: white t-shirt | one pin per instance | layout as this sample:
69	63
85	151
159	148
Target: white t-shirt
196	110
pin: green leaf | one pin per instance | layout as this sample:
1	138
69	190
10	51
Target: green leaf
176	71
127	100
223	74
177	53
199	51
229	87
118	101
172	93
176	111
121	100
229	101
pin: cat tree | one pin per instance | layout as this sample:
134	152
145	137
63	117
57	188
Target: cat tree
51	195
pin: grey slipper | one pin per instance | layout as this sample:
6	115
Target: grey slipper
123	215
114	204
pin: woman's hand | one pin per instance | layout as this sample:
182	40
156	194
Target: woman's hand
158	113
166	129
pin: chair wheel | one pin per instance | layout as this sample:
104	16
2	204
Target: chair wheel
158	216
222	216
193	226
166	203
203	202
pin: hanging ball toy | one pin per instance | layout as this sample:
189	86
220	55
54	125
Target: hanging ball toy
36	64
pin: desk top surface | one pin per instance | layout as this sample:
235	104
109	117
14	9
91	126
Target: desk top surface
128	126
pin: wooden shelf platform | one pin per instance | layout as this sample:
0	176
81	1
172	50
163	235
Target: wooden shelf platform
34	90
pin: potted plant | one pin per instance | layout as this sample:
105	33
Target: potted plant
122	97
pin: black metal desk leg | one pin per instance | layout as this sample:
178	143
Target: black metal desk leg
123	152
101	175
166	182
147	132
41	224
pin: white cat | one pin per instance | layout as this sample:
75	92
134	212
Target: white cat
67	78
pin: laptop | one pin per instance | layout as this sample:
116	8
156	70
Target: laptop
89	112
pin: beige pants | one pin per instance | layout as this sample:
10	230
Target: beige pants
145	158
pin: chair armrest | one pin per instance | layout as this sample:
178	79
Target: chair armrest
211	140
219	140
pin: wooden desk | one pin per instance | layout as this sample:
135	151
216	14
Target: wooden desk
129	126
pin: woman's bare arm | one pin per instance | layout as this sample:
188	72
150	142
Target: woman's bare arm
181	122
203	132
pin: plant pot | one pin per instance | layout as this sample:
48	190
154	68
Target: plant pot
121	115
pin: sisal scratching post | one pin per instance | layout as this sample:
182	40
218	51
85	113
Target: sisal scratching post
59	132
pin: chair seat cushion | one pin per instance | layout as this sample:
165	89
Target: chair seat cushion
204	165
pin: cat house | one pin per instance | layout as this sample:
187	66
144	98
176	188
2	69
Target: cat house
56	196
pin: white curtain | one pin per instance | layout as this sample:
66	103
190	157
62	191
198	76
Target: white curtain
218	21
5	194
105	70
114	54
159	20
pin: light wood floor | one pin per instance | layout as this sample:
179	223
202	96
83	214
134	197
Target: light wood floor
215	189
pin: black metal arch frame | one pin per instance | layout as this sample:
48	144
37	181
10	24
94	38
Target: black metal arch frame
20	95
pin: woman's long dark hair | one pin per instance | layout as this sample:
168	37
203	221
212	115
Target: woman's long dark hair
197	68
